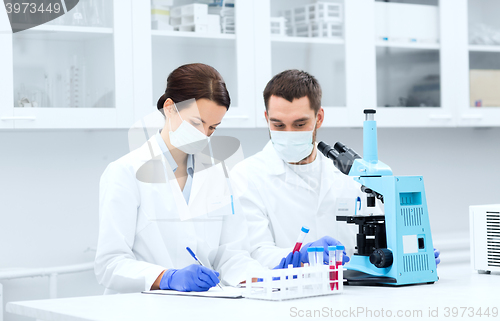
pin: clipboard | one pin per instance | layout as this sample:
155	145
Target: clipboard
229	292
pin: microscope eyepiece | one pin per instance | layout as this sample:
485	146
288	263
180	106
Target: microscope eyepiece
341	148
342	156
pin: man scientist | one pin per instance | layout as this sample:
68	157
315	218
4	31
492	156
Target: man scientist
289	184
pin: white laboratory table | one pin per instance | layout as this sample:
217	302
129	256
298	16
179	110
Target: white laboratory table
459	293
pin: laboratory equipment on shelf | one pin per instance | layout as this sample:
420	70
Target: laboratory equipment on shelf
225	9
485	238
195	18
300	240
394	248
320	20
278	26
293	283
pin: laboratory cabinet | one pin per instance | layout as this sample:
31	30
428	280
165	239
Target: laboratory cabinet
72	72
420	63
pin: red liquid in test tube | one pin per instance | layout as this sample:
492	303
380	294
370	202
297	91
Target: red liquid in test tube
339	255
331	258
297	247
303	232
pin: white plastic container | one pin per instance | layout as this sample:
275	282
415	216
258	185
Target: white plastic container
318	12
278	26
214	24
193	28
194	19
318	30
194	9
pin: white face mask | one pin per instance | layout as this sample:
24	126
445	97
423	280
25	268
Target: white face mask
187	138
292	146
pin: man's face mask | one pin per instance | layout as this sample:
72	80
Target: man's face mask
292	146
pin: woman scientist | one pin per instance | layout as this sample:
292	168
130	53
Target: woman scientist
163	197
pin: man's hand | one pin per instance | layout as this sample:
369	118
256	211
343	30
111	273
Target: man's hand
323	242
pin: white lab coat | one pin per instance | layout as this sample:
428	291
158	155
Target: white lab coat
277	203
145	227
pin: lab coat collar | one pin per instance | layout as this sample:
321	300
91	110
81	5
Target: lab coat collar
201	162
277	166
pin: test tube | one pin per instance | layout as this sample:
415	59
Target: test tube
319	255
303	232
333	275
339	255
311	254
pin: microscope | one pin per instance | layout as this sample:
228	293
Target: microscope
394	248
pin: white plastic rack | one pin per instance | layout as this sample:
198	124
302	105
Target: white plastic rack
295	283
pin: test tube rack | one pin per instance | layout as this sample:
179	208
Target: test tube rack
294	283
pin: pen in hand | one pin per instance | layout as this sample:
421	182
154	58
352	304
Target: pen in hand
199	262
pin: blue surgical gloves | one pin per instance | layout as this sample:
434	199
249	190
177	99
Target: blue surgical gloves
291	258
301	257
436	256
191	278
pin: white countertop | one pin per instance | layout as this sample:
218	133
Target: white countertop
458	287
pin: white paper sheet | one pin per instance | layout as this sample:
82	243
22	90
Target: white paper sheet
228	292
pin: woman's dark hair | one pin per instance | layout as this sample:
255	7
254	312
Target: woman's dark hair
196	81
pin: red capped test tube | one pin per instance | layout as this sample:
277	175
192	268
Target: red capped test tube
332	254
303	232
339	256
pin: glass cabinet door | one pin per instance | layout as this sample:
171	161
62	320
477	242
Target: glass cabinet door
75	71
214	32
6	73
305	35
408	63
483	106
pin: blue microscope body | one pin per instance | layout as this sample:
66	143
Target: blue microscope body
395	248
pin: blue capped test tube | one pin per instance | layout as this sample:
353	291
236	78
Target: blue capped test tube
319	255
311	255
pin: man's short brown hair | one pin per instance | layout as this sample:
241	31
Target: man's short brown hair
292	84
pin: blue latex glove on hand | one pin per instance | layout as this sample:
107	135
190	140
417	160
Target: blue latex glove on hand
191	278
324	242
291	258
436	256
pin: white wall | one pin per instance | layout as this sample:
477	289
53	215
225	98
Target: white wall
49	189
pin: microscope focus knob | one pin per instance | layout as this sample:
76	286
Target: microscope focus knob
381	258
